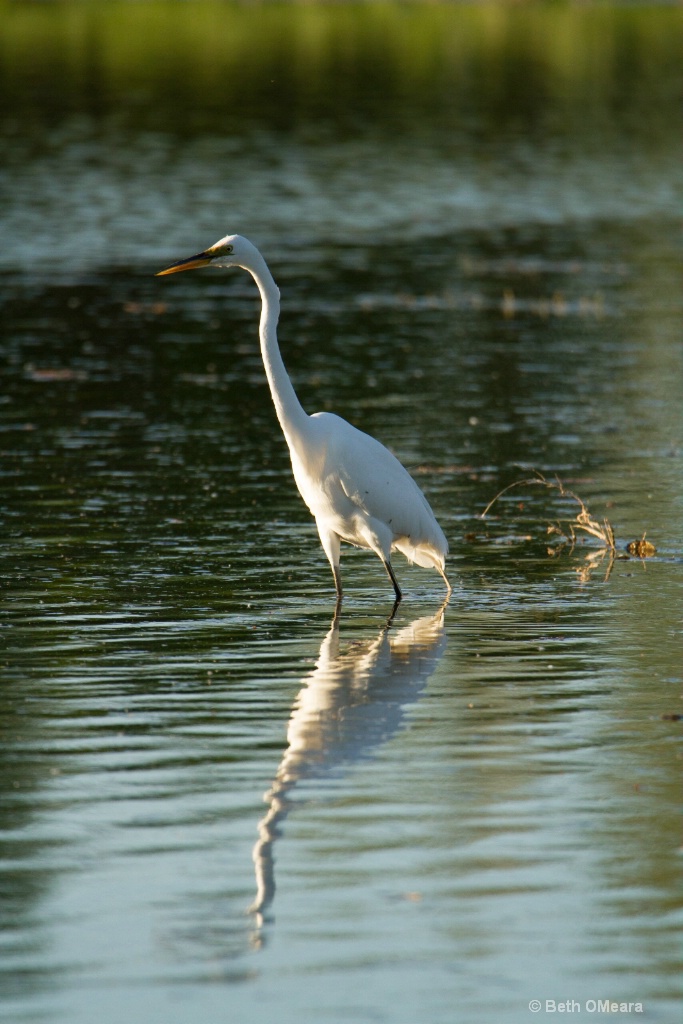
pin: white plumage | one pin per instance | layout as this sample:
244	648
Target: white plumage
357	491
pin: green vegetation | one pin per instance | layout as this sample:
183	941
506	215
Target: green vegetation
175	64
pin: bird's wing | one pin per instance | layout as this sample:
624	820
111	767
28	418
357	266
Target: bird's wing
377	484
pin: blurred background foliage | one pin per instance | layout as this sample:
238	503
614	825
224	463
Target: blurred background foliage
178	65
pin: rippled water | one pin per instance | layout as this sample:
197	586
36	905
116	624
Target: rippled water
218	802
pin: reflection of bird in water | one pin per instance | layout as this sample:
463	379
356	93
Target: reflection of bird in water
357	491
351	703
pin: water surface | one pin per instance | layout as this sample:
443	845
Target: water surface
218	801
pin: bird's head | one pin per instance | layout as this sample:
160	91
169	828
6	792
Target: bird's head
231	251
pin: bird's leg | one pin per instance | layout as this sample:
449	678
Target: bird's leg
338	583
340	595
392	577
447	582
393	614
332	547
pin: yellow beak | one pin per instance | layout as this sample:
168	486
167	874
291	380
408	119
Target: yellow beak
202	259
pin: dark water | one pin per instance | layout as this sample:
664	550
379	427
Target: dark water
466	808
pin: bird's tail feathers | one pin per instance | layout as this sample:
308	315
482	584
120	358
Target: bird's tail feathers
422	554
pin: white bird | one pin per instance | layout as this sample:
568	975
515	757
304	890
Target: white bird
356	490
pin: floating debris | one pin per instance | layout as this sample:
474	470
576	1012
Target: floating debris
641	548
566	529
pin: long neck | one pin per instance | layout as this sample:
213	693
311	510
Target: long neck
293	419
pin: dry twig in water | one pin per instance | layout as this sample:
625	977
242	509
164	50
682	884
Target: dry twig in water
583	520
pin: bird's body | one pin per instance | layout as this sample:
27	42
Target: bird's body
356	490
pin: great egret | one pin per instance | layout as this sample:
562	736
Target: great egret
356	489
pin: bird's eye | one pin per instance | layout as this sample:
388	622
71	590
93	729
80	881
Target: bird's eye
228	248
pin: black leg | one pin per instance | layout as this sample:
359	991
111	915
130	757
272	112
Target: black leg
393	614
397	589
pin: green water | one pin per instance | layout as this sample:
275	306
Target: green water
472	214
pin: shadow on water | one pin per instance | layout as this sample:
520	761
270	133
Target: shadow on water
354	701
